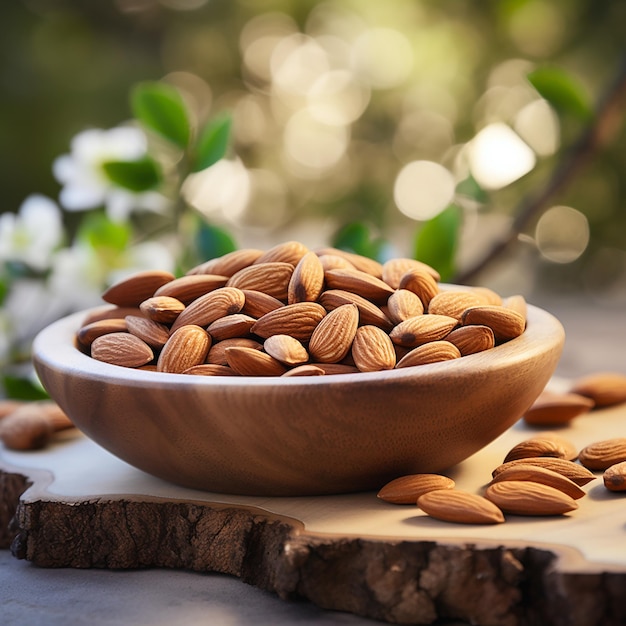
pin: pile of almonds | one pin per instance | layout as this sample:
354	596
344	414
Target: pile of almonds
540	476
291	311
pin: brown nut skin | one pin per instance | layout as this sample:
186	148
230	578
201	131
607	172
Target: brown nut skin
407	489
614	477
27	428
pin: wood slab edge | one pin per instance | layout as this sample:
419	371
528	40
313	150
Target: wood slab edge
392	580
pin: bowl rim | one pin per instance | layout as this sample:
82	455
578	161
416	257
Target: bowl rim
55	347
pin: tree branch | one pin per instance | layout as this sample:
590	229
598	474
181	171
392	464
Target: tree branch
599	133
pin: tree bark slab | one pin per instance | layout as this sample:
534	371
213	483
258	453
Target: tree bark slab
75	505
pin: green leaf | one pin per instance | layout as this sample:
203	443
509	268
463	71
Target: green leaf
212	143
437	240
136	176
564	92
4	288
98	231
470	188
160	107
213	241
356	237
22	389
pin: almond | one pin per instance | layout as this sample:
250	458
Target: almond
26	429
229	263
394	269
431	352
541	475
257	303
304	370
522	497
407	489
554	408
153	333
210	307
505	323
336	368
360	262
422	329
452	303
271	278
307	280
131	291
162	309
421	283
288	252
402	305
543	445
8	406
602	454
361	283
89	332
187	346
117	312
372	350
58	418
121	349
298	320
210	369
516	303
217	352
604	388
188	288
579	474
332	338
335	262
251	362
462	507
487	296
286	349
229	326
369	313
614	477
472	339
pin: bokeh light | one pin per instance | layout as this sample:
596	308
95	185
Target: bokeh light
312	144
498	157
423	189
382	57
337	99
562	234
223	188
538	125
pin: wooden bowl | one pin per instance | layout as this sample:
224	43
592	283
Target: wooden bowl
303	435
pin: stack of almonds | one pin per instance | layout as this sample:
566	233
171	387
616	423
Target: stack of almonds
595	391
30	425
290	311
539	476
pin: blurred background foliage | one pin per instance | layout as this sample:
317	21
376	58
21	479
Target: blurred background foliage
376	126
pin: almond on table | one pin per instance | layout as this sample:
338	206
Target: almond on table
407	489
461	507
604	388
522	497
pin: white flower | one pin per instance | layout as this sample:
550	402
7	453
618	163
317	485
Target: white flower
80	275
85	183
31	235
29	307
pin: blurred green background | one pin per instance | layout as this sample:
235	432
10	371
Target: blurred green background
352	119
